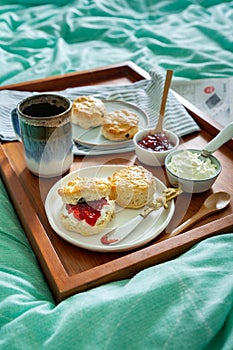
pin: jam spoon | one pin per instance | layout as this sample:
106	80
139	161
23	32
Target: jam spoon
159	127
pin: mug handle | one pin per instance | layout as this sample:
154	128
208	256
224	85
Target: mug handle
15	123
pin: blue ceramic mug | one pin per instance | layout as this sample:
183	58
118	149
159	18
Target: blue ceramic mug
43	123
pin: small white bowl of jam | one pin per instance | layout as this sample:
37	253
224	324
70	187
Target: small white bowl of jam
152	149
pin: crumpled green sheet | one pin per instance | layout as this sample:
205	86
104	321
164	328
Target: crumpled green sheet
185	303
41	38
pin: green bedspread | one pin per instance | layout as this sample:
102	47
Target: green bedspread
185	303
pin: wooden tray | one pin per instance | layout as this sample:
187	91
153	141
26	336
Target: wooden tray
70	269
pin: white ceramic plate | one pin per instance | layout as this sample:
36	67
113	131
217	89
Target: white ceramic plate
147	230
93	136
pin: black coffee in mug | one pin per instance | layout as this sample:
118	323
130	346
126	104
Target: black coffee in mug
43	110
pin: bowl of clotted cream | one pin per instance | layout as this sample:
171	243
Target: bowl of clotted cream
189	168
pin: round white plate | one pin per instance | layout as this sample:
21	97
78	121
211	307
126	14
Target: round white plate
147	230
93	136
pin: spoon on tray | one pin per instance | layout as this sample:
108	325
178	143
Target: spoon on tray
213	203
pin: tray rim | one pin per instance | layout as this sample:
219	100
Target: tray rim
66	285
137	73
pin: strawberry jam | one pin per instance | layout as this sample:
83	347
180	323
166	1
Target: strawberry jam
88	211
158	142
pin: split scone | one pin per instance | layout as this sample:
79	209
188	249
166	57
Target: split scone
132	187
87	208
87	112
119	125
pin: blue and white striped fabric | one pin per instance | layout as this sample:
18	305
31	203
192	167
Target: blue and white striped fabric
146	94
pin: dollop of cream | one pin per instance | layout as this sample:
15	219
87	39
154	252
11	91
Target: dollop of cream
189	165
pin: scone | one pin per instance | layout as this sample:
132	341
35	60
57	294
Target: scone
87	208
132	187
87	111
119	125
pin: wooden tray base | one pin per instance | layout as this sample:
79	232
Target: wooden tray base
70	269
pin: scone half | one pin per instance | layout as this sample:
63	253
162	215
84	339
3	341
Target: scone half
87	208
88	112
132	187
120	125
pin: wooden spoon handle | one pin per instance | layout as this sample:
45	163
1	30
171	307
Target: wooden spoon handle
165	92
159	127
195	218
202	213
